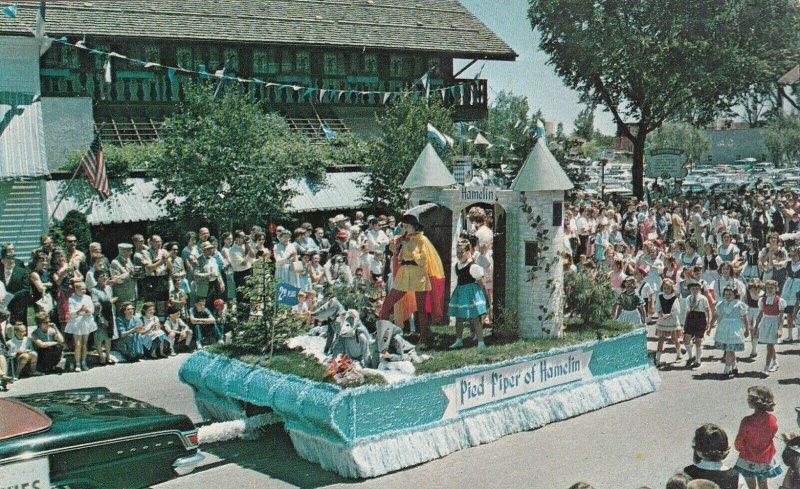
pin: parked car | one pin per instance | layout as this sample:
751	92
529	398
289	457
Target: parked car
92	438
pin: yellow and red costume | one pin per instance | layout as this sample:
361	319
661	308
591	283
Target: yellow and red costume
418	269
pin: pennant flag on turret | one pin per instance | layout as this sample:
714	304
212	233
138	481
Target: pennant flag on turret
540	131
11	11
441	139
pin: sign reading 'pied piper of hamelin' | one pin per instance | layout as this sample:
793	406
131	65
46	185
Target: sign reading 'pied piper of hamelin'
515	380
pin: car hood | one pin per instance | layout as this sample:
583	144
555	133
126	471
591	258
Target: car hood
89	415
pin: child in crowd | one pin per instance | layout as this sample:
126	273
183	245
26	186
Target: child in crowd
668	313
21	349
753	298
645	290
711	446
732	328
631	308
769	321
696	322
178	330
757	462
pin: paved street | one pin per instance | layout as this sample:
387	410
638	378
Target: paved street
640	442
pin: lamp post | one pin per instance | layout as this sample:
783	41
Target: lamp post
603	163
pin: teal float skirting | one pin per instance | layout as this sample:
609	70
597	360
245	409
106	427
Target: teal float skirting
348	417
385	453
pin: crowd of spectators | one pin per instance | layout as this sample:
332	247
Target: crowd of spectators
155	299
739	251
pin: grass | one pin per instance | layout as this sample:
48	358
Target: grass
442	358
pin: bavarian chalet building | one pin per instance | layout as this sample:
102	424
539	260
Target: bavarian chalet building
349	51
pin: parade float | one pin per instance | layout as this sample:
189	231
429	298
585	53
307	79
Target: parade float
367	430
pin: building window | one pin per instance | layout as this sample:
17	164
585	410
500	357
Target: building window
231	59
59	56
287	61
329	64
265	61
531	253
214	59
371	64
303	58
558	214
435	65
185	58
399	67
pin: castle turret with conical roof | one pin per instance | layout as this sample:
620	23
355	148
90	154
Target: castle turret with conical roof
429	171
541	172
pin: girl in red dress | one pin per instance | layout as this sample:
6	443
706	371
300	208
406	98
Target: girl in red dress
755	444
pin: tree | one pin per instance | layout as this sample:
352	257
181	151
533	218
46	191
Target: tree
512	126
560	131
227	161
74	222
651	61
584	123
783	139
403	135
689	139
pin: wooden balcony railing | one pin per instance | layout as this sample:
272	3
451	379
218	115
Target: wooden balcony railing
132	87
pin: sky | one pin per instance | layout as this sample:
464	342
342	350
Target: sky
529	75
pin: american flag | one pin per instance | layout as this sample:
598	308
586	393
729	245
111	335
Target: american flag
95	168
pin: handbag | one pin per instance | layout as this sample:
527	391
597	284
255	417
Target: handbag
46	303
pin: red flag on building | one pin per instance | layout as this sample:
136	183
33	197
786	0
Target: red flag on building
95	168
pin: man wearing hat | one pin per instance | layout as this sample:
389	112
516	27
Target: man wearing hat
124	277
16	278
340	245
208	277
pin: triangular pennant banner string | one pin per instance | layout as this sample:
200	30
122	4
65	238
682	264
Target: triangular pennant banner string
338	95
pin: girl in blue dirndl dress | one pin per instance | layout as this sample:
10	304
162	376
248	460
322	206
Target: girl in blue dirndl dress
468	300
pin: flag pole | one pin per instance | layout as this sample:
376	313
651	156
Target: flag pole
66	190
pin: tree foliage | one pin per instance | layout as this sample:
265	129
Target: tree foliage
74	222
584	123
691	140
651	61
227	161
587	298
403	135
509	115
783	139
120	161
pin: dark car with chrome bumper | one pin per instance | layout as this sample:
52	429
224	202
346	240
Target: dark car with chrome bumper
92	438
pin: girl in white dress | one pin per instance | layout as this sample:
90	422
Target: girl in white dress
668	313
630	308
791	289
770	319
81	323
752	298
732	328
